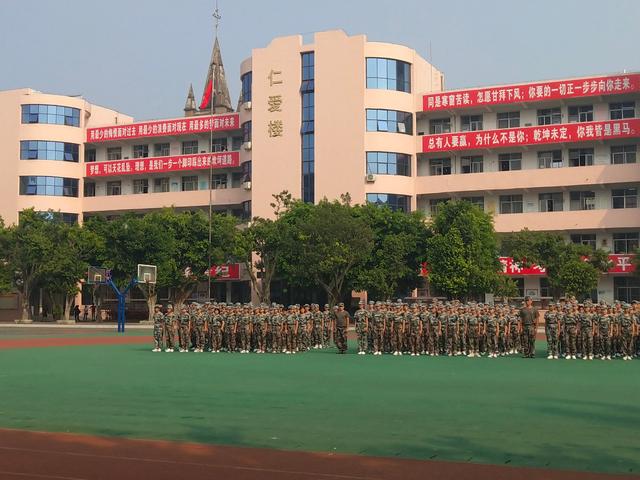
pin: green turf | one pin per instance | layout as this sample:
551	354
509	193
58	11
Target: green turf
557	414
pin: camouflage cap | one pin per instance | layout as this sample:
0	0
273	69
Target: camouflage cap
157	305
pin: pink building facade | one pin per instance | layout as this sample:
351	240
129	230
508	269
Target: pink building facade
341	114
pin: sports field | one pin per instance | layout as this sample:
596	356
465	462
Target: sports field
573	415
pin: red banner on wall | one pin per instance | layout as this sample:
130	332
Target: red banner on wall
512	137
174	126
163	164
532	92
228	271
621	263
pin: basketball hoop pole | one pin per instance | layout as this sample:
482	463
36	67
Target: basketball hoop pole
122	295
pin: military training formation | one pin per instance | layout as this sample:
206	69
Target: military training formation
573	330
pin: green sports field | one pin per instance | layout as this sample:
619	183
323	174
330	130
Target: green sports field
575	415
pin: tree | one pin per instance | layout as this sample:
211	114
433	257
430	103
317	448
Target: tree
6	274
462	254
571	268
324	245
505	288
400	245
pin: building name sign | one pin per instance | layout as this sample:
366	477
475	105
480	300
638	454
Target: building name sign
140	166
510	137
532	92
176	126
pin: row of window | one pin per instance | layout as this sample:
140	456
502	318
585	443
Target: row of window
394	202
48	150
51	114
627	242
545	116
381	120
389	163
388	74
307	127
577	157
49	186
246	81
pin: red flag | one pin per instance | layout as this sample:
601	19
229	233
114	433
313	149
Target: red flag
206	97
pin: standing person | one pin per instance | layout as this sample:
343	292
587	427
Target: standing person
529	319
327	326
93	312
378	319
341	318
215	327
627	327
490	325
170	324
199	326
515	331
571	328
158	327
76	313
551	327
415	330
316	329
184	331
604	333
362	327
85	313
473	332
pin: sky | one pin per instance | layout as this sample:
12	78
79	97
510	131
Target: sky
139	56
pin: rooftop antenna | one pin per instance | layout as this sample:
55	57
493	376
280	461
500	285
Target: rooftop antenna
216	23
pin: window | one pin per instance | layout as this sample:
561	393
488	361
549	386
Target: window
625	242
623	154
508	119
219	181
588	239
307	127
190	147
161	150
246	210
218	145
435	204
140	185
549	116
473	164
89	155
388	74
471	123
550	159
393	121
49	186
246	131
440	166
583	113
545	288
114	188
439	125
580	157
47	150
51	114
114	153
510	161
394	202
89	189
161	185
246	80
584	200
389	163
477	201
624	198
190	183
626	289
619	111
140	151
550	202
510	204
246	171
236	143
236	179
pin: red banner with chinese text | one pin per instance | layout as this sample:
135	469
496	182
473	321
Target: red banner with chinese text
532	92
140	166
539	135
228	271
157	128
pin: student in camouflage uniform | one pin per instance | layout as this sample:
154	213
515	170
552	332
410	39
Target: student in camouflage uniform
379	320
627	324
342	318
184	329
586	331
361	318
327	326
230	330
473	332
170	325
529	321
316	329
158	327
571	327
215	329
551	327
514	331
490	322
199	326
414	329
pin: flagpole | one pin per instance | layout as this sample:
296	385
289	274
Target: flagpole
217	17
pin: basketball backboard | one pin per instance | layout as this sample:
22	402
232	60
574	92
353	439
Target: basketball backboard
147	274
97	276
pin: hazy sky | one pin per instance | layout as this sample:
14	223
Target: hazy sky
139	56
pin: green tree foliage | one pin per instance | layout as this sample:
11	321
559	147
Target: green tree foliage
400	245
6	274
462	254
325	244
571	268
505	288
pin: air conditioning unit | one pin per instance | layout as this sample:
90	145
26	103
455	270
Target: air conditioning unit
246	145
246	185
247	105
370	178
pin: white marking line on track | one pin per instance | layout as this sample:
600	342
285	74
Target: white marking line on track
195	464
38	475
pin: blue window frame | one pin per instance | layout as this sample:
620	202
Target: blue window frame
48	150
49	186
394	121
246	80
395	202
389	163
307	94
51	114
388	74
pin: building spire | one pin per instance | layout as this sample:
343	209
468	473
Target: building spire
190	104
216	77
